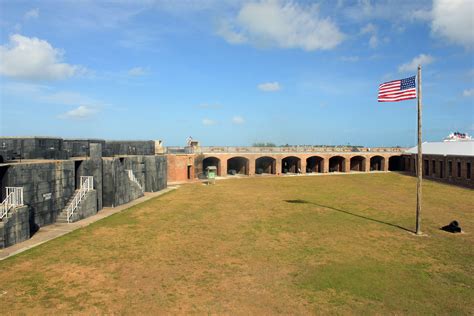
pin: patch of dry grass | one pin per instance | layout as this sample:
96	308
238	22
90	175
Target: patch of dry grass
335	244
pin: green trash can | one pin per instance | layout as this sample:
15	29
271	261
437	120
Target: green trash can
211	173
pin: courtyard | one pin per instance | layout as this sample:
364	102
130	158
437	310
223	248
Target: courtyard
262	245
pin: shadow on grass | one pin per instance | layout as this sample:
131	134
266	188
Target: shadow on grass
350	213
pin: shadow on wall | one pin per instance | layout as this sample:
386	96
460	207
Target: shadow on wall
349	213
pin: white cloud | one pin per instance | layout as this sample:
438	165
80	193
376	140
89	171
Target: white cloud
31	14
68	98
421	15
371	30
281	24
468	92
137	71
412	66
227	32
373	41
45	95
208	122
453	20
81	112
269	86
238	120
368	29
34	59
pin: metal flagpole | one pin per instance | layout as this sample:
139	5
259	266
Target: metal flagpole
420	158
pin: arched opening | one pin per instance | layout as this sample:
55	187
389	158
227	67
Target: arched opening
395	163
336	164
211	162
238	165
376	163
358	163
265	165
314	164
291	165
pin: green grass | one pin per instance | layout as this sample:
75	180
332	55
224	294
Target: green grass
291	245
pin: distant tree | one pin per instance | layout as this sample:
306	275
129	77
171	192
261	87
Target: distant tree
263	144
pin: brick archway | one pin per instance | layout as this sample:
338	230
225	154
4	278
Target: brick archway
265	164
291	164
212	161
337	164
238	165
377	163
357	163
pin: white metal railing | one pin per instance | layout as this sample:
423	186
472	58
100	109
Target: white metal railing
132	177
14	198
87	184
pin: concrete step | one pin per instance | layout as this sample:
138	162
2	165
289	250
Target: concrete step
61	219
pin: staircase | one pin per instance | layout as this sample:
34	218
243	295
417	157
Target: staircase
132	178
66	215
14	199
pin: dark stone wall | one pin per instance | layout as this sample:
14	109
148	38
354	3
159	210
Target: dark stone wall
156	173
117	188
46	188
88	207
33	148
81	147
15	228
49	186
90	167
117	148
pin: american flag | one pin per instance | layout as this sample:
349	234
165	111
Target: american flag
397	90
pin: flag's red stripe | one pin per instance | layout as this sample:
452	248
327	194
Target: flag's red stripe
391	82
385	97
389	89
395	100
399	97
398	93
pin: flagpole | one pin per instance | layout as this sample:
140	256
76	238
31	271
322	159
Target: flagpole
420	158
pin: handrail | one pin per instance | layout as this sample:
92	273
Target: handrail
14	198
87	184
132	177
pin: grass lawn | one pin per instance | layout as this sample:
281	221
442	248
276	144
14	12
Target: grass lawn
293	245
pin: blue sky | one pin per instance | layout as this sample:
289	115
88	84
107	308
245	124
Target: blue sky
234	72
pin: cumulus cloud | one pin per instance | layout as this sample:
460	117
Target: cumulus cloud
373	41
31	14
137	71
34	59
412	66
453	20
281	24
371	30
227	32
368	29
269	86
468	92
208	122
81	112
238	120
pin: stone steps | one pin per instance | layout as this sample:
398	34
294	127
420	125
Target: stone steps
62	216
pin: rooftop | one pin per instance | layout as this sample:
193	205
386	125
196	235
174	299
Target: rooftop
460	148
